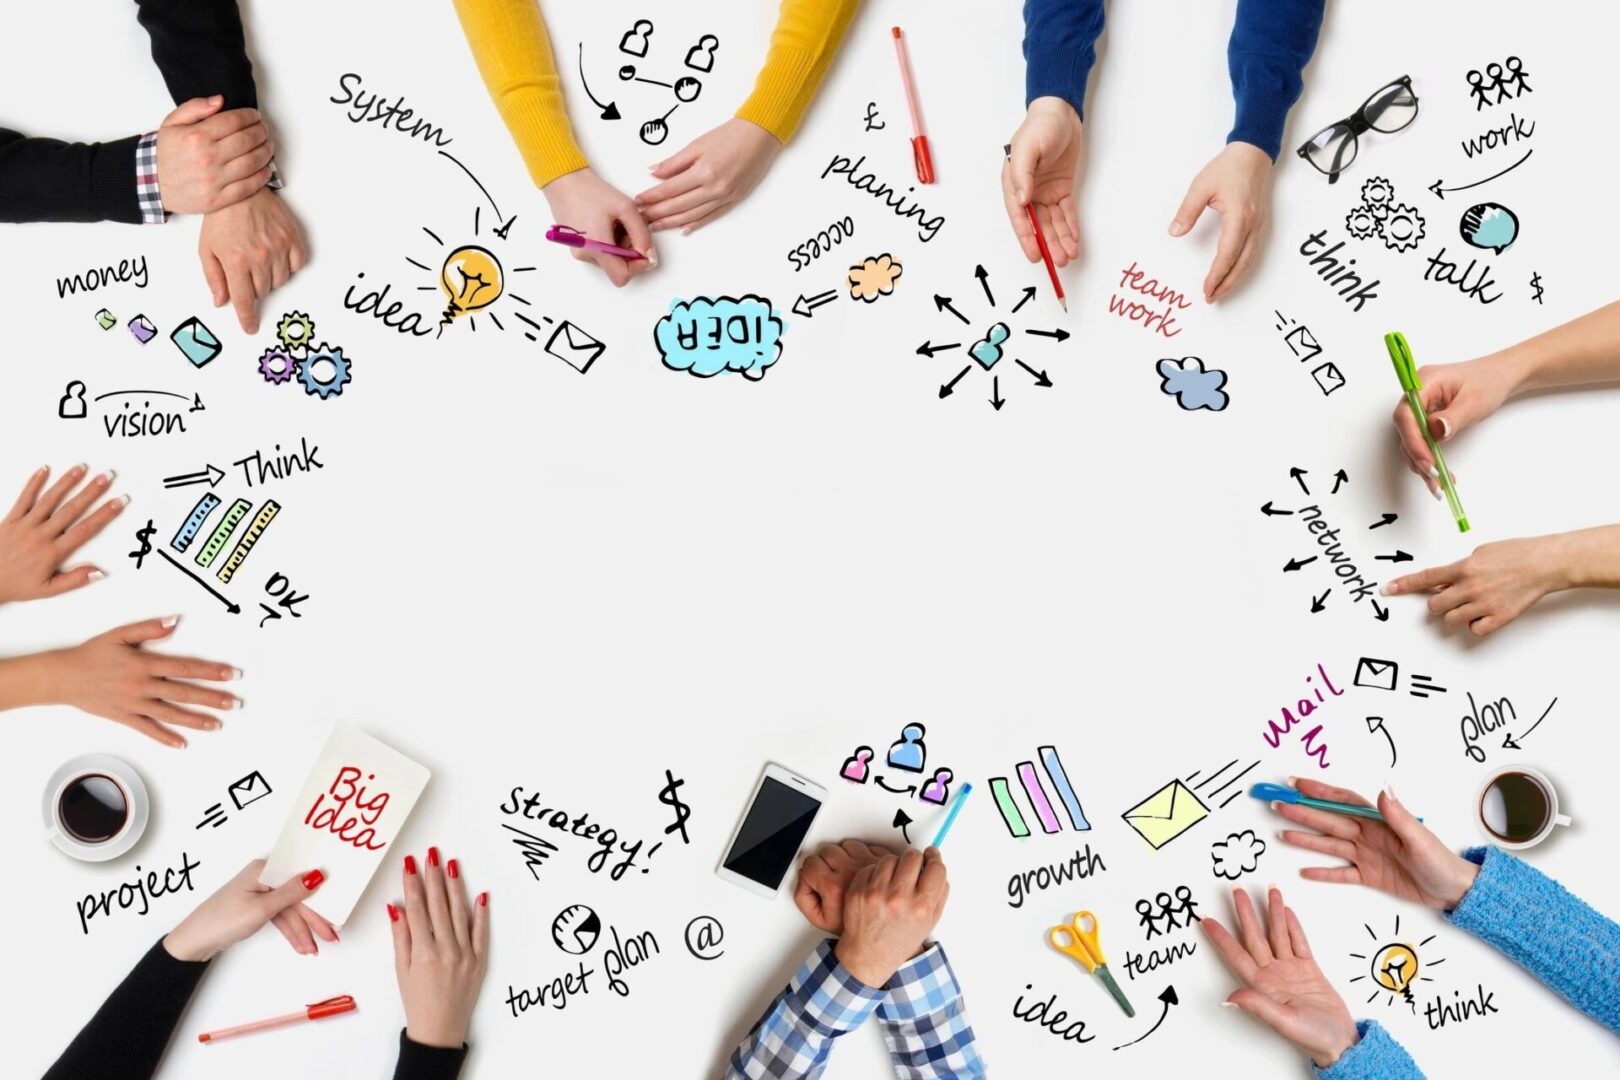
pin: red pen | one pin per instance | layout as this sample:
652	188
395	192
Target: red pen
919	141
562	234
319	1011
1040	242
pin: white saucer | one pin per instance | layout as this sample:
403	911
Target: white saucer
140	807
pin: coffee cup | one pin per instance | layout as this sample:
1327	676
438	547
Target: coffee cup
1517	807
95	807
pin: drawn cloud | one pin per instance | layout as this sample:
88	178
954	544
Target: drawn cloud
705	336
874	277
1237	855
1192	386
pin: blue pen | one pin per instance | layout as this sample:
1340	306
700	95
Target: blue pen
1278	793
956	808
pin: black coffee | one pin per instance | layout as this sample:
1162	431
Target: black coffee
92	809
1515	808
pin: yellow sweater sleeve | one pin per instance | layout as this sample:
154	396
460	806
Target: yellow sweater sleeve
807	35
513	51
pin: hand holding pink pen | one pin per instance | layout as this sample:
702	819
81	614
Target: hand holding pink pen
563	234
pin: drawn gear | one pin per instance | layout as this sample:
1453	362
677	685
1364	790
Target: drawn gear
333	386
1377	194
1402	229
276	366
298	319
1360	223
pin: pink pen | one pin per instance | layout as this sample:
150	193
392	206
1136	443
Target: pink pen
562	234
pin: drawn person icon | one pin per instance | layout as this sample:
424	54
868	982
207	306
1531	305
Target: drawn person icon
1188	906
1145	909
858	765
635	40
909	753
1166	910
1476	80
1497	83
627	72
72	406
938	789
687	88
700	57
1520	78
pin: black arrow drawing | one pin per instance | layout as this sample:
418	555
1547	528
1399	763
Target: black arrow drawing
507	227
1060	334
805	306
996	400
912	790
943	303
229	606
1338	479
1399	556
1169	998
984	283
1040	376
946	390
1319	603
901	820
610	111
1383	612
1376	723
1029	294
210	475
1439	191
1295	564
1510	743
196	404
1299	477
1271	511
1387	519
928	348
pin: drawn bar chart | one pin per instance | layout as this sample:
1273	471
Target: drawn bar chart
194	522
1042	811
222	532
267	513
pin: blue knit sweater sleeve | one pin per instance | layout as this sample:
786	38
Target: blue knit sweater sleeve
1546	930
1376	1057
1272	41
1060	38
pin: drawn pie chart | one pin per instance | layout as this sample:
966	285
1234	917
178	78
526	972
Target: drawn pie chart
576	929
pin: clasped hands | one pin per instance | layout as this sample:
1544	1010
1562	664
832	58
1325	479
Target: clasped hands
882	906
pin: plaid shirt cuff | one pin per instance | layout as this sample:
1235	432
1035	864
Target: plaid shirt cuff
796	1033
826	996
925	1024
147	196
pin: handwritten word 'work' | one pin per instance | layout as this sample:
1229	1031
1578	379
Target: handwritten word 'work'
1138	312
97	277
619	958
1303	707
927	227
1503	136
358	828
144	888
1351	285
280	466
560	820
1078	868
375	109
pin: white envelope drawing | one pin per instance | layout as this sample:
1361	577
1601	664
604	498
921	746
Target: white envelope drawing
1376	674
1327	377
574	347
1302	343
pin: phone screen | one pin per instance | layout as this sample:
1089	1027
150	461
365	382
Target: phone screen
771	833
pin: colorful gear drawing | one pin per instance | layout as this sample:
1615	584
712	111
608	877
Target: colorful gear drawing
276	366
1360	223
333	386
1402	229
1377	192
305	324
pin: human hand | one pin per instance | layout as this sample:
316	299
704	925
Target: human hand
441	945
207	159
1397	856
1497	583
41	530
1041	171
111	676
247	249
713	173
1237	183
824	878
889	910
238	910
584	201
1455	397
1284	987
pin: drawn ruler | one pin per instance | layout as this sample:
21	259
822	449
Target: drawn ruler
267	514
199	514
222	532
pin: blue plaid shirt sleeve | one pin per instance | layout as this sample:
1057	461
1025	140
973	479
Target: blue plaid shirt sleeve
795	1035
925	1023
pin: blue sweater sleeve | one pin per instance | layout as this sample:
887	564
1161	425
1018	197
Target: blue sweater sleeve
1546	930
1060	39
1376	1057
1272	41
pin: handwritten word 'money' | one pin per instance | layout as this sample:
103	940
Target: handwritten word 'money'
358	828
1078	868
704	337
1135	311
869	183
144	889
96	277
1335	273
374	108
559	820
1304	707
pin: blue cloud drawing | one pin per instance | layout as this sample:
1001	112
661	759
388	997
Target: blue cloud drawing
706	336
1192	386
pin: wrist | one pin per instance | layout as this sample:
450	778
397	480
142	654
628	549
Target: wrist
872	971
32	680
180	945
439	1036
1056	106
1461	879
1518	368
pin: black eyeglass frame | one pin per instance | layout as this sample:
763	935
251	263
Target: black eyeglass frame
1357	122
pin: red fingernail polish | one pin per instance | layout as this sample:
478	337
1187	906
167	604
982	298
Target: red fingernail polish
455	871
410	864
313	878
433	856
393	913
483	899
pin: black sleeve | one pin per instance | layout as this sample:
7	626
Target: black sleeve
51	180
126	1038
418	1062
199	48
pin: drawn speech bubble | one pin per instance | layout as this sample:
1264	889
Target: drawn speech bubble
705	336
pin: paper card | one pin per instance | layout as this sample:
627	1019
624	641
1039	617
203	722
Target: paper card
353	804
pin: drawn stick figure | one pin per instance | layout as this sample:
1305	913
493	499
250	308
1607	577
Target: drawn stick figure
1145	909
1188	907
1477	82
1520	79
1498	82
1166	912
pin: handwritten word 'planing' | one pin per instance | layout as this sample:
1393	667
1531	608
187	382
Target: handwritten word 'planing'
927	227
96	277
357	828
1304	707
374	108
144	889
559	819
1138	312
1078	868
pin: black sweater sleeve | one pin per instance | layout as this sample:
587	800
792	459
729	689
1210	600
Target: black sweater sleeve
50	180
418	1062
126	1038
199	48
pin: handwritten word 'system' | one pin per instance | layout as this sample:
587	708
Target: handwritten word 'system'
1138	312
373	108
358	828
927	227
1304	707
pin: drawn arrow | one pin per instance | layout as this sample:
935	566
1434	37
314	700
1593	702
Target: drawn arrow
196	404
1295	564
1376	723
1060	334
610	111
1299	477
507	227
912	790
805	306
229	606
210	475
1338	479
1439	192
1319	603
984	283
1040	376
901	820
1510	743
1383	612
1029	294
1169	998
1399	556
943	303
1270	511
996	400
1387	519
946	390
928	348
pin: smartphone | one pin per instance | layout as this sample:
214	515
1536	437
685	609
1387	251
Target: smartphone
763	848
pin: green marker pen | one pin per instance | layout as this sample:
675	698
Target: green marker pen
1406	370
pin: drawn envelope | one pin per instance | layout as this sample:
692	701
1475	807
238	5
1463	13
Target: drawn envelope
251	788
574	347
1302	343
196	341
1166	814
1328	378
1376	674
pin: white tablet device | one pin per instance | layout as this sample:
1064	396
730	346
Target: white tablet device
767	840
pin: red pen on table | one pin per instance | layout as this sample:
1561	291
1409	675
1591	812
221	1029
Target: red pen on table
562	234
919	140
1040	241
319	1011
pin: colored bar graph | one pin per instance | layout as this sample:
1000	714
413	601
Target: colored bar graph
1008	807
1060	781
267	514
1037	797
222	532
194	522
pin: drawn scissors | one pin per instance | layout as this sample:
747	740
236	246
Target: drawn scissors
1078	938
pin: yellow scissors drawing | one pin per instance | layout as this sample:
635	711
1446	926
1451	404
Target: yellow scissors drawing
1078	938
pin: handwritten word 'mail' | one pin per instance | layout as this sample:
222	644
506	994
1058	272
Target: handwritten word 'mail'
1078	868
357	828
1332	271
374	108
558	819
144	888
1305	706
1039	1014
1439	1014
1135	311
1446	272
869	183
97	277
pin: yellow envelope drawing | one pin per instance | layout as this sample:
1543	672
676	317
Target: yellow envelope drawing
574	346
1166	814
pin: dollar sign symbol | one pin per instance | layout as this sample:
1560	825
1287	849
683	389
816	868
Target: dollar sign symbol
144	538
682	811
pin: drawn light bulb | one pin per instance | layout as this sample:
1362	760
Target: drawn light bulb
1395	967
471	280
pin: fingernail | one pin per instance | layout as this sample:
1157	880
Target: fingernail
96	575
652	256
452	869
1389	789
1275	804
108	477
1445	427
169	621
1229	1005
1280	835
393	913
1271	887
1436	493
687	231
123	500
433	856
211	725
1434	473
79	468
236	672
410	864
483	899
1391	588
1293	781
1177	228
313	878
216	99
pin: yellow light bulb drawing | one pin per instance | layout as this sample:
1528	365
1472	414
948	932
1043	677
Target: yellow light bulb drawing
1394	967
472	280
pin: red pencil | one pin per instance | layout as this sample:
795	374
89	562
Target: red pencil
1040	241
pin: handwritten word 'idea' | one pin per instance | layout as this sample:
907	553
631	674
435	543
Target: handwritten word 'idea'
1304	707
1138	312
1042	1015
371	304
358	828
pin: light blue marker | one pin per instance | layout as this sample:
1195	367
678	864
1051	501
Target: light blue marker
956	808
1060	780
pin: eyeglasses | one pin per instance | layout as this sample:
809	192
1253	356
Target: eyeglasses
1388	110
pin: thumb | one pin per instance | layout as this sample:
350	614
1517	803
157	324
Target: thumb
1412	832
1025	157
294	890
146	630
1192	205
1257	1004
189	112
